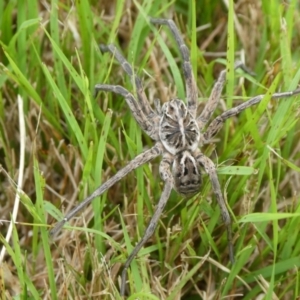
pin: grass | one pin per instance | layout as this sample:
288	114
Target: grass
74	142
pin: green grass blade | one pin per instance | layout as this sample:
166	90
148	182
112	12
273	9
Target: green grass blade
40	183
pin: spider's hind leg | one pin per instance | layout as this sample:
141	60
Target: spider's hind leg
166	175
210	169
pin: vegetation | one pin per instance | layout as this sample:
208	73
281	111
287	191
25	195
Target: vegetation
74	141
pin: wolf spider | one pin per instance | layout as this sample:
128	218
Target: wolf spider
176	129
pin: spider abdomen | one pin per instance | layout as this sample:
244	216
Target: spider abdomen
186	174
178	129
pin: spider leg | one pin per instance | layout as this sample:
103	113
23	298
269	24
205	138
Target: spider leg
136	110
141	159
143	101
218	122
215	95
166	175
210	169
190	83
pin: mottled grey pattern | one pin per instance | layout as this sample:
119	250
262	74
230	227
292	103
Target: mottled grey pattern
175	128
178	130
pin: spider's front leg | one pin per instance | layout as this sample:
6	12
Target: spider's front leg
141	110
133	105
190	82
143	101
215	95
166	175
210	169
216	125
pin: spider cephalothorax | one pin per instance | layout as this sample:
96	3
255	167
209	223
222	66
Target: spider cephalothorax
175	128
178	130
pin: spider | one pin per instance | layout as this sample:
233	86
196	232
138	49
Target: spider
176	129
